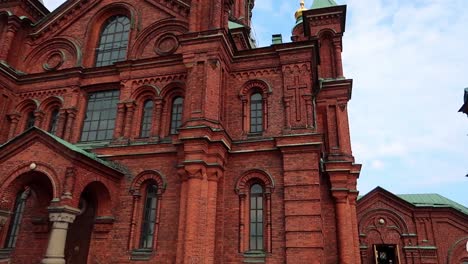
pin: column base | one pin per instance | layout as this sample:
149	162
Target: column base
53	261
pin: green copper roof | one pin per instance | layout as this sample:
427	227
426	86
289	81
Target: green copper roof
323	3
432	200
234	25
69	146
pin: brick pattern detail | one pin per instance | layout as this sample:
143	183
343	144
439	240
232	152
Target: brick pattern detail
302	158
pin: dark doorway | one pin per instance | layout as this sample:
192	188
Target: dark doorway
386	254
79	233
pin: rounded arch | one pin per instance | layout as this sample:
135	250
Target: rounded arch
261	86
101	197
145	176
457	251
153	33
50	103
147	91
54	54
326	33
27	105
173	89
382	212
94	27
254	174
22	175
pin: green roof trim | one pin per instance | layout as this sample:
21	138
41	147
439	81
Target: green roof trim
323	3
432	200
234	25
72	147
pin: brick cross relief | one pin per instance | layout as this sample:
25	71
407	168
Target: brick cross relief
297	86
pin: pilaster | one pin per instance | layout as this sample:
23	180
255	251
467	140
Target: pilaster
304	236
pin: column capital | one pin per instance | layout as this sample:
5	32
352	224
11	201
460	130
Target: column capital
63	213
4	217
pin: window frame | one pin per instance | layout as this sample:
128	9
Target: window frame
175	124
16	218
52	126
259	113
147	120
243	190
113	99
101	48
249	89
254	220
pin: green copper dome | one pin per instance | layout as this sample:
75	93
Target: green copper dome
323	3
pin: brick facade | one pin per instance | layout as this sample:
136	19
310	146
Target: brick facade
203	174
429	229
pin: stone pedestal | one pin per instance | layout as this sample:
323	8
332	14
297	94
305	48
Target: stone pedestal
61	217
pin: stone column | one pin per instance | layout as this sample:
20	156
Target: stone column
8	40
38	118
338	61
130	106
119	120
14	120
71	115
61	217
62	118
157	114
3	218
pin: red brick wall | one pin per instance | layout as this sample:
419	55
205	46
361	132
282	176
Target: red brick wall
199	169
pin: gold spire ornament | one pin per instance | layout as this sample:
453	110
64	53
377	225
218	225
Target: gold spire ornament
298	13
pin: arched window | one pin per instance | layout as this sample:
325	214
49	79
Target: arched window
146	119
113	41
256	113
53	121
176	114
16	218
30	119
149	217
256	217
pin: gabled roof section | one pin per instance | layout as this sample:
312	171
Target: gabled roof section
420	200
56	140
323	3
432	200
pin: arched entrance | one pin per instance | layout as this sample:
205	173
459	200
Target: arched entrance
26	198
79	233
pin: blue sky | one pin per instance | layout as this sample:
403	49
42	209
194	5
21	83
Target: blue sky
409	62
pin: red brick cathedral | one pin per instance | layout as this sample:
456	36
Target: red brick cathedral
154	131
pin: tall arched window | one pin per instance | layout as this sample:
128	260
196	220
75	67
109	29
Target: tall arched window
256	113
53	121
256	217
16	218
176	114
146	119
113	41
149	217
30	119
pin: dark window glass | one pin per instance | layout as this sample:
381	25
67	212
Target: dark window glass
146	119
113	41
176	114
31	119
100	116
16	218
53	121
149	217
256	113
256	217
